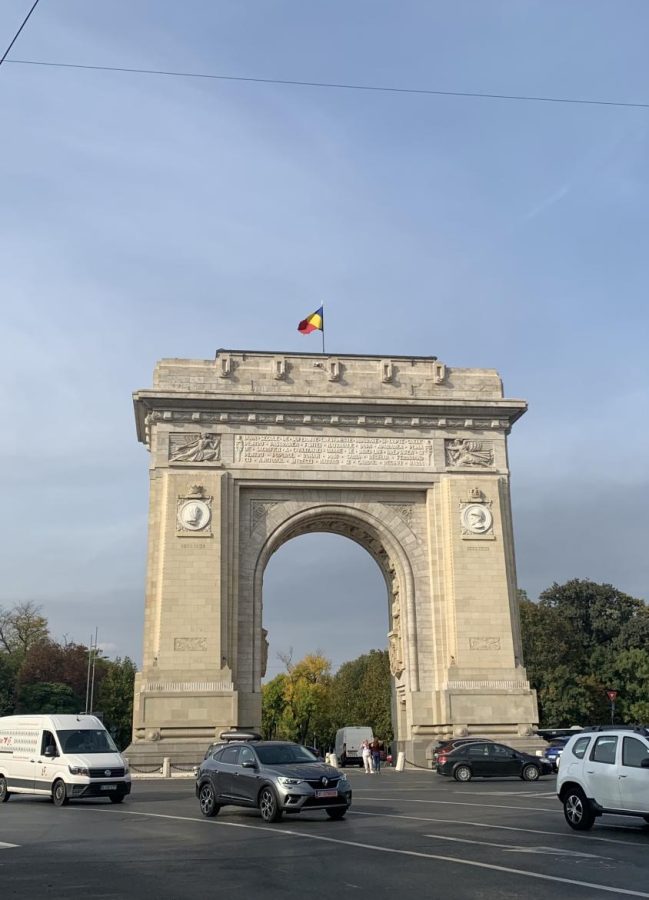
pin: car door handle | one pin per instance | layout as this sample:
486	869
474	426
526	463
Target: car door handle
622	776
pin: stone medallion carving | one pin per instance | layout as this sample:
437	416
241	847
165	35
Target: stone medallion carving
195	448
468	454
476	518
194	513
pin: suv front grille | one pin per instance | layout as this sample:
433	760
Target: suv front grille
319	786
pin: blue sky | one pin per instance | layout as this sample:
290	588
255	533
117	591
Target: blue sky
144	217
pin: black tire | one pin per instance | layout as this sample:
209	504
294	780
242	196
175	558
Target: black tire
207	800
59	793
336	813
462	773
116	798
269	805
530	773
4	790
577	809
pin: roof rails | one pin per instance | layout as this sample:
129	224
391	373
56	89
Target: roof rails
639	729
239	734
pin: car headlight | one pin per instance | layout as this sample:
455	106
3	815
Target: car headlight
78	770
343	779
283	780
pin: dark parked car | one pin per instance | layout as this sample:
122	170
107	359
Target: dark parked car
485	759
451	744
554	750
276	777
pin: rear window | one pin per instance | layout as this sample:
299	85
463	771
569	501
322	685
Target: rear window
580	746
604	749
475	751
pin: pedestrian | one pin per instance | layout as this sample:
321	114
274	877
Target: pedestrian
375	747
367	757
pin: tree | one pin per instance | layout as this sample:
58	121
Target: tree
50	662
115	698
21	627
273	706
361	694
48	697
579	639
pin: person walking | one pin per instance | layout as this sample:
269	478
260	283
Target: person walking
367	757
375	747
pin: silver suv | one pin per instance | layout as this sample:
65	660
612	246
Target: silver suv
605	770
277	777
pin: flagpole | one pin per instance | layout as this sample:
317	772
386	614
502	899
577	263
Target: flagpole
323	344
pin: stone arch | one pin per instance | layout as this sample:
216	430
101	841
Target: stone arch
391	453
294	518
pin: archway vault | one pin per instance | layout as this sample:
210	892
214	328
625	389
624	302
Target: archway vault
366	525
403	455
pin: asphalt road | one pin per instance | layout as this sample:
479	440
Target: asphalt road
412	832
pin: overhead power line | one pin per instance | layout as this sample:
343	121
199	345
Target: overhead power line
385	89
15	37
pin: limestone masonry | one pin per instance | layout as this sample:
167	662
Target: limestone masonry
405	456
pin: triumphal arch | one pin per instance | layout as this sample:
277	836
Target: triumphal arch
404	455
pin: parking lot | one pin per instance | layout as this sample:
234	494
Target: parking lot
411	831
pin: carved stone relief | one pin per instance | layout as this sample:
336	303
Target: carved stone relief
259	509
468	454
484	643
190	643
194	513
198	447
404	510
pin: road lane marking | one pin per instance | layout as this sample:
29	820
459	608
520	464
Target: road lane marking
552	812
555	851
4	846
285	832
562	834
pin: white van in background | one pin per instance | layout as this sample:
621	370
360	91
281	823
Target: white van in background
64	757
348	744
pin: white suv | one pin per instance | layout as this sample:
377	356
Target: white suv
604	770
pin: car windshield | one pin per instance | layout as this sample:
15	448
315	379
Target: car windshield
284	755
86	740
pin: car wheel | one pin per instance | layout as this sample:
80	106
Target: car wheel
59	793
116	798
4	791
577	810
336	813
207	800
530	773
268	805
463	773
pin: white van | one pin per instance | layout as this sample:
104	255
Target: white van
348	744
62	757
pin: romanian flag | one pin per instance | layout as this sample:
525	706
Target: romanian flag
314	322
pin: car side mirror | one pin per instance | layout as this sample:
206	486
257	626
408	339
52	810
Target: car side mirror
248	764
644	763
50	751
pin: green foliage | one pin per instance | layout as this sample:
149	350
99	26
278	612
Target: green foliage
361	694
48	697
37	674
306	703
115	698
580	639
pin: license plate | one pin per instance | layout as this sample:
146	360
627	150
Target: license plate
108	787
332	792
